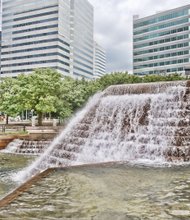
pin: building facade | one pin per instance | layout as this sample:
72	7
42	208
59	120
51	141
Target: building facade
161	42
33	36
82	38
54	34
99	61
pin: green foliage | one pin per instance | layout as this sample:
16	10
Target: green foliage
125	78
73	94
9	97
159	78
40	91
118	78
45	91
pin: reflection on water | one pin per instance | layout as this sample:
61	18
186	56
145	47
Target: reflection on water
10	164
115	192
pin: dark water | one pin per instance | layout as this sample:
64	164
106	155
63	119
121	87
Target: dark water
10	164
115	192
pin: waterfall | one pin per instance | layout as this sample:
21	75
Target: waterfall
27	147
146	123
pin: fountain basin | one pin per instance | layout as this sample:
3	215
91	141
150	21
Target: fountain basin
131	122
6	139
10	164
107	191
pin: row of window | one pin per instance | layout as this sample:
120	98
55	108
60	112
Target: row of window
26	4
35	56
172	70
80	69
82	58
82	64
160	49
186	60
30	23
100	67
83	14
35	49
63	42
162	41
99	72
31	10
35	35
158	27
84	47
167	55
101	56
99	49
162	18
31	16
62	69
34	62
100	63
78	51
30	70
84	40
36	29
82	20
160	34
35	42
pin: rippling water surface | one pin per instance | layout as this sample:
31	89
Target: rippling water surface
107	192
9	165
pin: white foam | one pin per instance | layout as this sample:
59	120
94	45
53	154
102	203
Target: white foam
138	128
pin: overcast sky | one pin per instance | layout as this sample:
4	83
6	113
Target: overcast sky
113	26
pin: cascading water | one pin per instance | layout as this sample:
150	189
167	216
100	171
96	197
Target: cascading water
27	147
138	123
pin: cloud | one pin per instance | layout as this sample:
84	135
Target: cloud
113	26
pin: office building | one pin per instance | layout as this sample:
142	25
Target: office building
47	34
99	61
35	34
82	38
161	42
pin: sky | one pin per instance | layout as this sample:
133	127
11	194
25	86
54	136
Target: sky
113	26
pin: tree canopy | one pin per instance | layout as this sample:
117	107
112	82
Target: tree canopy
47	91
9	97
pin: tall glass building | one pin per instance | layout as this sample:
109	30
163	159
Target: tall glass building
82	38
99	61
47	33
161	42
35	34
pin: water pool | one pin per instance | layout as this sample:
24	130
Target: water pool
10	164
106	192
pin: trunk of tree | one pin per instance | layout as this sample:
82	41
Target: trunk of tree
40	118
7	119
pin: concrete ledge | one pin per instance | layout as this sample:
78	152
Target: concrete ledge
16	193
6	139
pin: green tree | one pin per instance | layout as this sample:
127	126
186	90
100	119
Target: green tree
45	91
39	91
124	78
9	97
72	96
118	78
